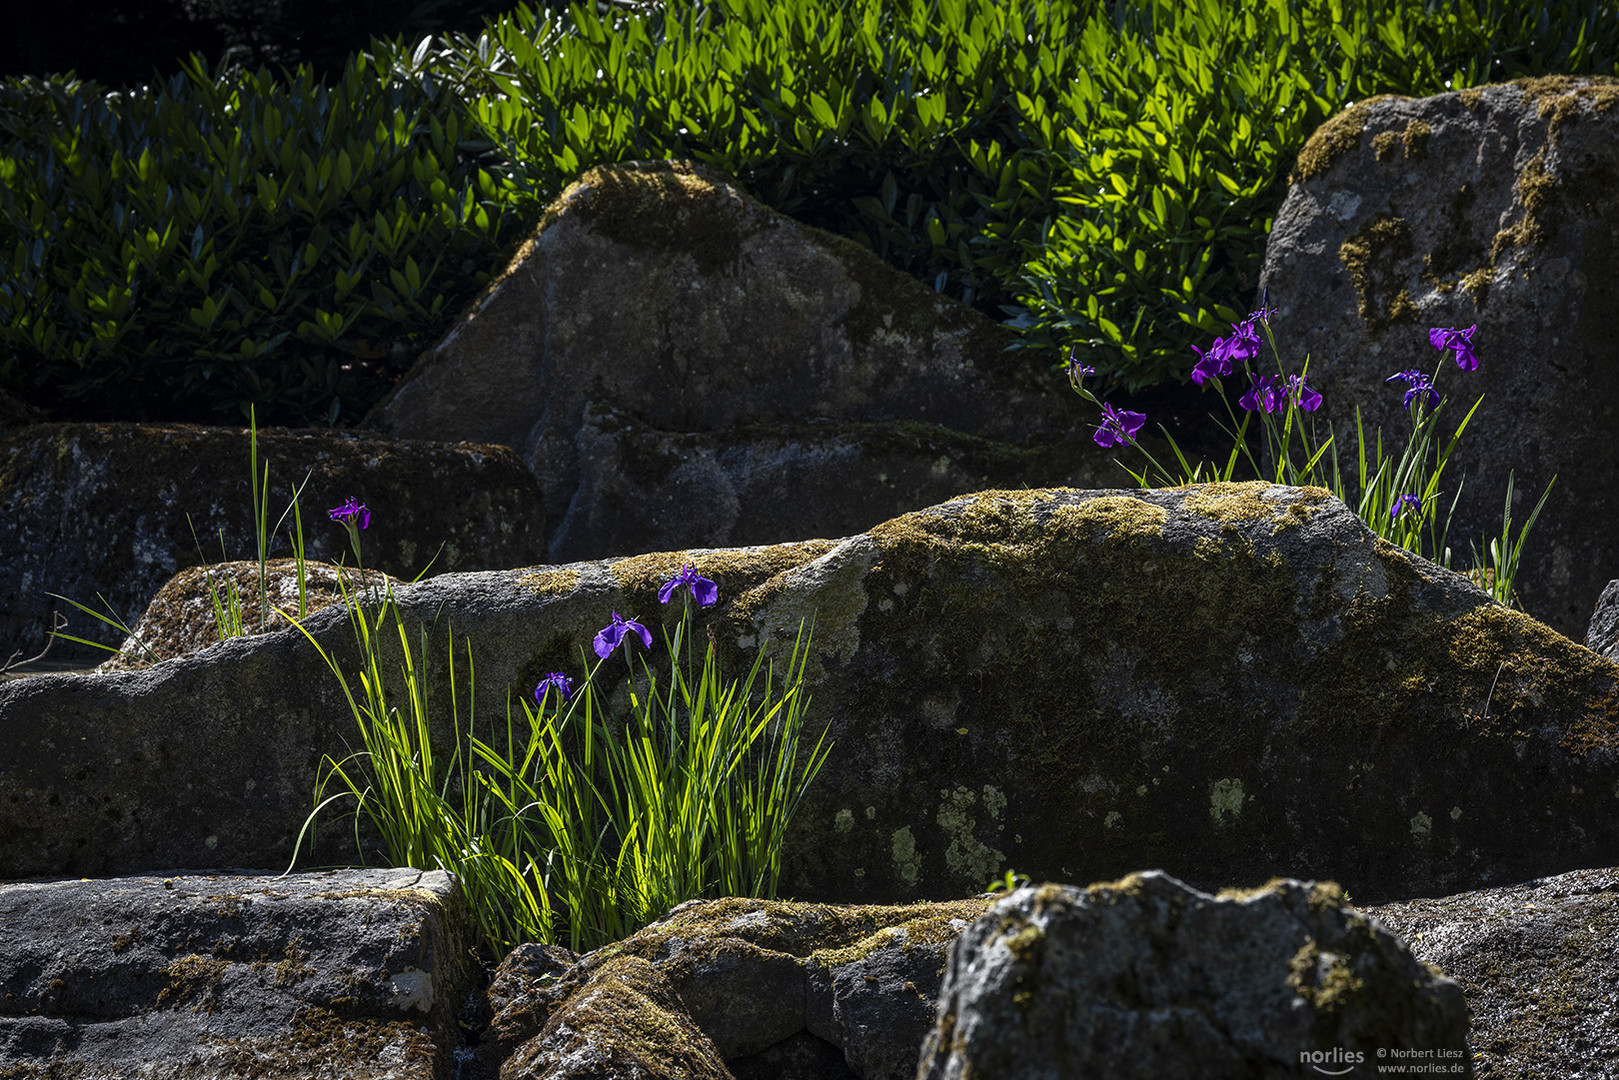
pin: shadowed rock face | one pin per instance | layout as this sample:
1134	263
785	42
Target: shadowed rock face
1492	206
1537	962
352	973
714	327
740	981
1145	977
102	509
1227	681
641	489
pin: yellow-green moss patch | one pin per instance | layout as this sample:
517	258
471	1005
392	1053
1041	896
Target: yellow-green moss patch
1369	252
667	205
1325	980
641	576
1413	140
1234	504
1477	285
1533	187
1338	136
194	979
1566	97
550	582
1121	519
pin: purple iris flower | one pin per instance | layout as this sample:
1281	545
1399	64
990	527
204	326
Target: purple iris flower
1211	364
1119	426
1460	340
1302	394
1264	395
614	633
1419	383
702	589
1077	370
1243	344
1404	503
351	509
563	684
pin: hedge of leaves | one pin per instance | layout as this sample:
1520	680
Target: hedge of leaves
185	252
1101	174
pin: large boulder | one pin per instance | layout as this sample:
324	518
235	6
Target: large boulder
641	489
106	512
627	1024
1226	681
1538	963
1491	206
1145	977
737	986
345	974
732	350
184	616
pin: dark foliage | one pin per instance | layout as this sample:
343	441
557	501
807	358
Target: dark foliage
124	43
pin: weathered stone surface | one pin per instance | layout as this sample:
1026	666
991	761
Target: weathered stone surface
1227	681
1538	963
339	974
1145	977
626	1023
715	326
1602	636
751	977
181	618
645	490
519	1000
101	509
1492	206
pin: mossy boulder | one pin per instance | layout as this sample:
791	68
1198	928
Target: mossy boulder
1145	977
111	512
1230	682
738	981
183	617
663	292
351	973
1537	961
1491	206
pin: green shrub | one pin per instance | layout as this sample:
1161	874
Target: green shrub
1103	174
183	253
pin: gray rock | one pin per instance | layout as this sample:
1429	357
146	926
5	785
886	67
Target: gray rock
1537	962
181	619
646	490
1491	206
1231	681
338	974
521	994
1602	635
90	510
1145	977
627	1023
764	982
718	328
